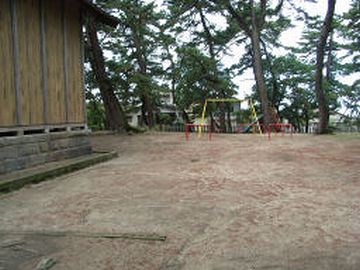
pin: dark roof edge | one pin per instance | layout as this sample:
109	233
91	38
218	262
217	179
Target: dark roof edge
100	14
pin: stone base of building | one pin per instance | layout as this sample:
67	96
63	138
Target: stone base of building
22	152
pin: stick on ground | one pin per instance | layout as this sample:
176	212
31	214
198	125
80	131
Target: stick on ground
133	236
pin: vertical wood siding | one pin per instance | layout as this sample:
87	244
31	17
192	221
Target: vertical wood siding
75	87
28	17
7	85
55	61
41	76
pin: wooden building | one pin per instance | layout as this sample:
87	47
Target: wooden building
41	79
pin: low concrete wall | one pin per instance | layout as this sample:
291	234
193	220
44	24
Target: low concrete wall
21	152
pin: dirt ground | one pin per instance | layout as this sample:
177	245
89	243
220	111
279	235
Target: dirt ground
237	202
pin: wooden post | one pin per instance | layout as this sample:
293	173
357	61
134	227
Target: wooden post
65	55
82	63
15	48
44	83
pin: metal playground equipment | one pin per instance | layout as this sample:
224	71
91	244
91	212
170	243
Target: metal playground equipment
254	117
282	128
255	125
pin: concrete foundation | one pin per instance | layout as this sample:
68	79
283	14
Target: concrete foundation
21	152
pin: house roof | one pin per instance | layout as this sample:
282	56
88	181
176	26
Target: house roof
100	14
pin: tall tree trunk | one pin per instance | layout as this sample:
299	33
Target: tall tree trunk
173	79
258	69
115	116
211	45
186	117
213	125
274	96
330	58
319	86
229	129
209	38
222	116
252	30
147	108
307	119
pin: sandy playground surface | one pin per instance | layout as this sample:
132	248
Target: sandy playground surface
237	202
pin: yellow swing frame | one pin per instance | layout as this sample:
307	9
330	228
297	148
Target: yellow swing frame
218	100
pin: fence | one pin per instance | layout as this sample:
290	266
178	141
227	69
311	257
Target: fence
339	127
241	128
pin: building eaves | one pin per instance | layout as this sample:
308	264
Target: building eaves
100	14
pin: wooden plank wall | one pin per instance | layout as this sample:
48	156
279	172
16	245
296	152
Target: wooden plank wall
64	98
74	62
28	22
7	85
55	61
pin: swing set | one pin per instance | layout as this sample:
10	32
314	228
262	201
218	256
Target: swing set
255	124
255	121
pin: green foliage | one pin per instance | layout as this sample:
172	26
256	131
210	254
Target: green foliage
199	75
243	116
95	113
197	80
135	67
165	119
177	49
352	100
350	30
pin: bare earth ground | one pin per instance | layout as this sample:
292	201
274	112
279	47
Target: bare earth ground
237	202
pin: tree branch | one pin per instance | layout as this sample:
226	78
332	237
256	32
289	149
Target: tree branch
209	37
243	25
262	13
278	7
